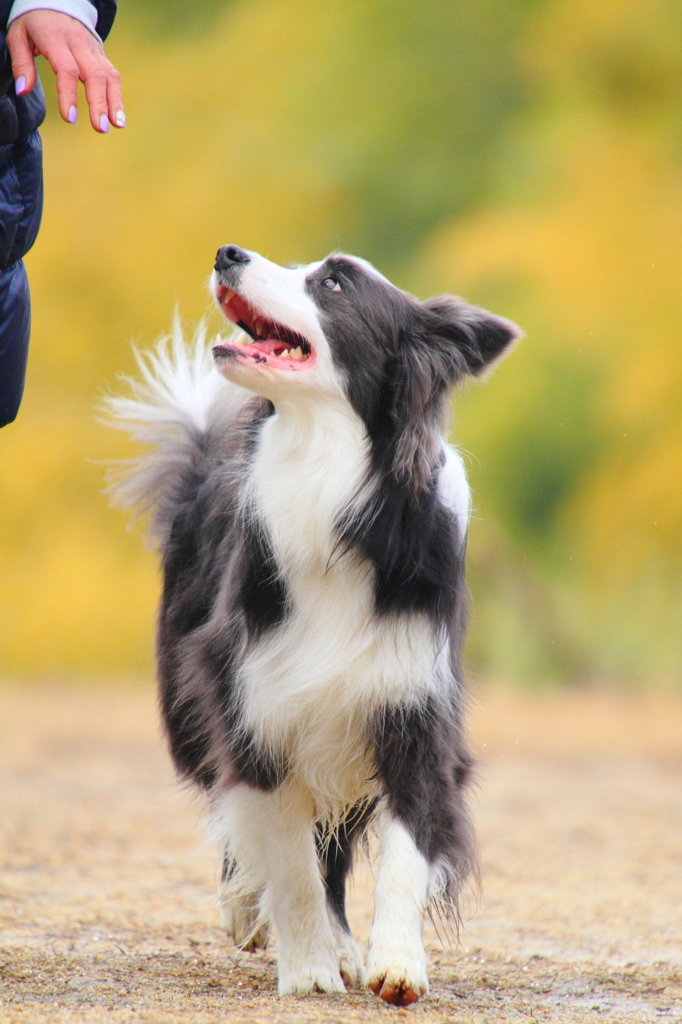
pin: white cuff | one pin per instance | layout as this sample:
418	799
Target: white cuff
81	10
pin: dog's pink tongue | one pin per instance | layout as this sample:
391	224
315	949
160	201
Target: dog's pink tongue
269	346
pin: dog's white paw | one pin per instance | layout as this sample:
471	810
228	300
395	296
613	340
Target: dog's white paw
351	967
400	980
302	980
239	916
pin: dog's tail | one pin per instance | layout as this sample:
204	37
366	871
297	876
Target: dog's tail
182	407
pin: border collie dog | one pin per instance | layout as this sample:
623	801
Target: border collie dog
312	523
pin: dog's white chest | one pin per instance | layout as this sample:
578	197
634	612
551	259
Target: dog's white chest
307	468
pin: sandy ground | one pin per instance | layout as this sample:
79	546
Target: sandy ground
107	910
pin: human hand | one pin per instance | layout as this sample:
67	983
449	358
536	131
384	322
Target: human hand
73	54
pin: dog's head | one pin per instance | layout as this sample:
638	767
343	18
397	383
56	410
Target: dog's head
338	327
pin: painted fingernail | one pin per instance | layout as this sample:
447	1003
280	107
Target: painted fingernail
73	114
20	85
120	119
104	123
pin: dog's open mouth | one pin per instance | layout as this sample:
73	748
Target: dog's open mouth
263	341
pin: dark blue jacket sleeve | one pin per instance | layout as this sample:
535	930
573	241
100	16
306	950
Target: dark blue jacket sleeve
21	204
15	328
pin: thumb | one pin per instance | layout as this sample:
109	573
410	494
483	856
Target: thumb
23	63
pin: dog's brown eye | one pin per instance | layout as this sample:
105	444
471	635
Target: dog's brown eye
332	284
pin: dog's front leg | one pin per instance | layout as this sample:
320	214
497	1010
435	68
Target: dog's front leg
396	964
271	836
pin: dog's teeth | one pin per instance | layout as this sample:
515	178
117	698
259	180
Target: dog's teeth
296	353
229	292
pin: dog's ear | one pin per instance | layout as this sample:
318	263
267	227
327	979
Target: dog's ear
446	340
481	338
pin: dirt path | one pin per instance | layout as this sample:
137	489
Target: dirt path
106	893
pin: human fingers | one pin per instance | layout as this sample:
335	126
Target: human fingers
94	78
101	71
73	62
23	61
68	73
102	85
114	95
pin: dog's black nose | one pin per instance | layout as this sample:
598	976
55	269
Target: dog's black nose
229	255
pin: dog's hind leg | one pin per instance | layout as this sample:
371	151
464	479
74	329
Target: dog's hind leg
336	859
271	837
240	913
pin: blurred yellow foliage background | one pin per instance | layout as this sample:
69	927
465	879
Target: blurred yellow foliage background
524	153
